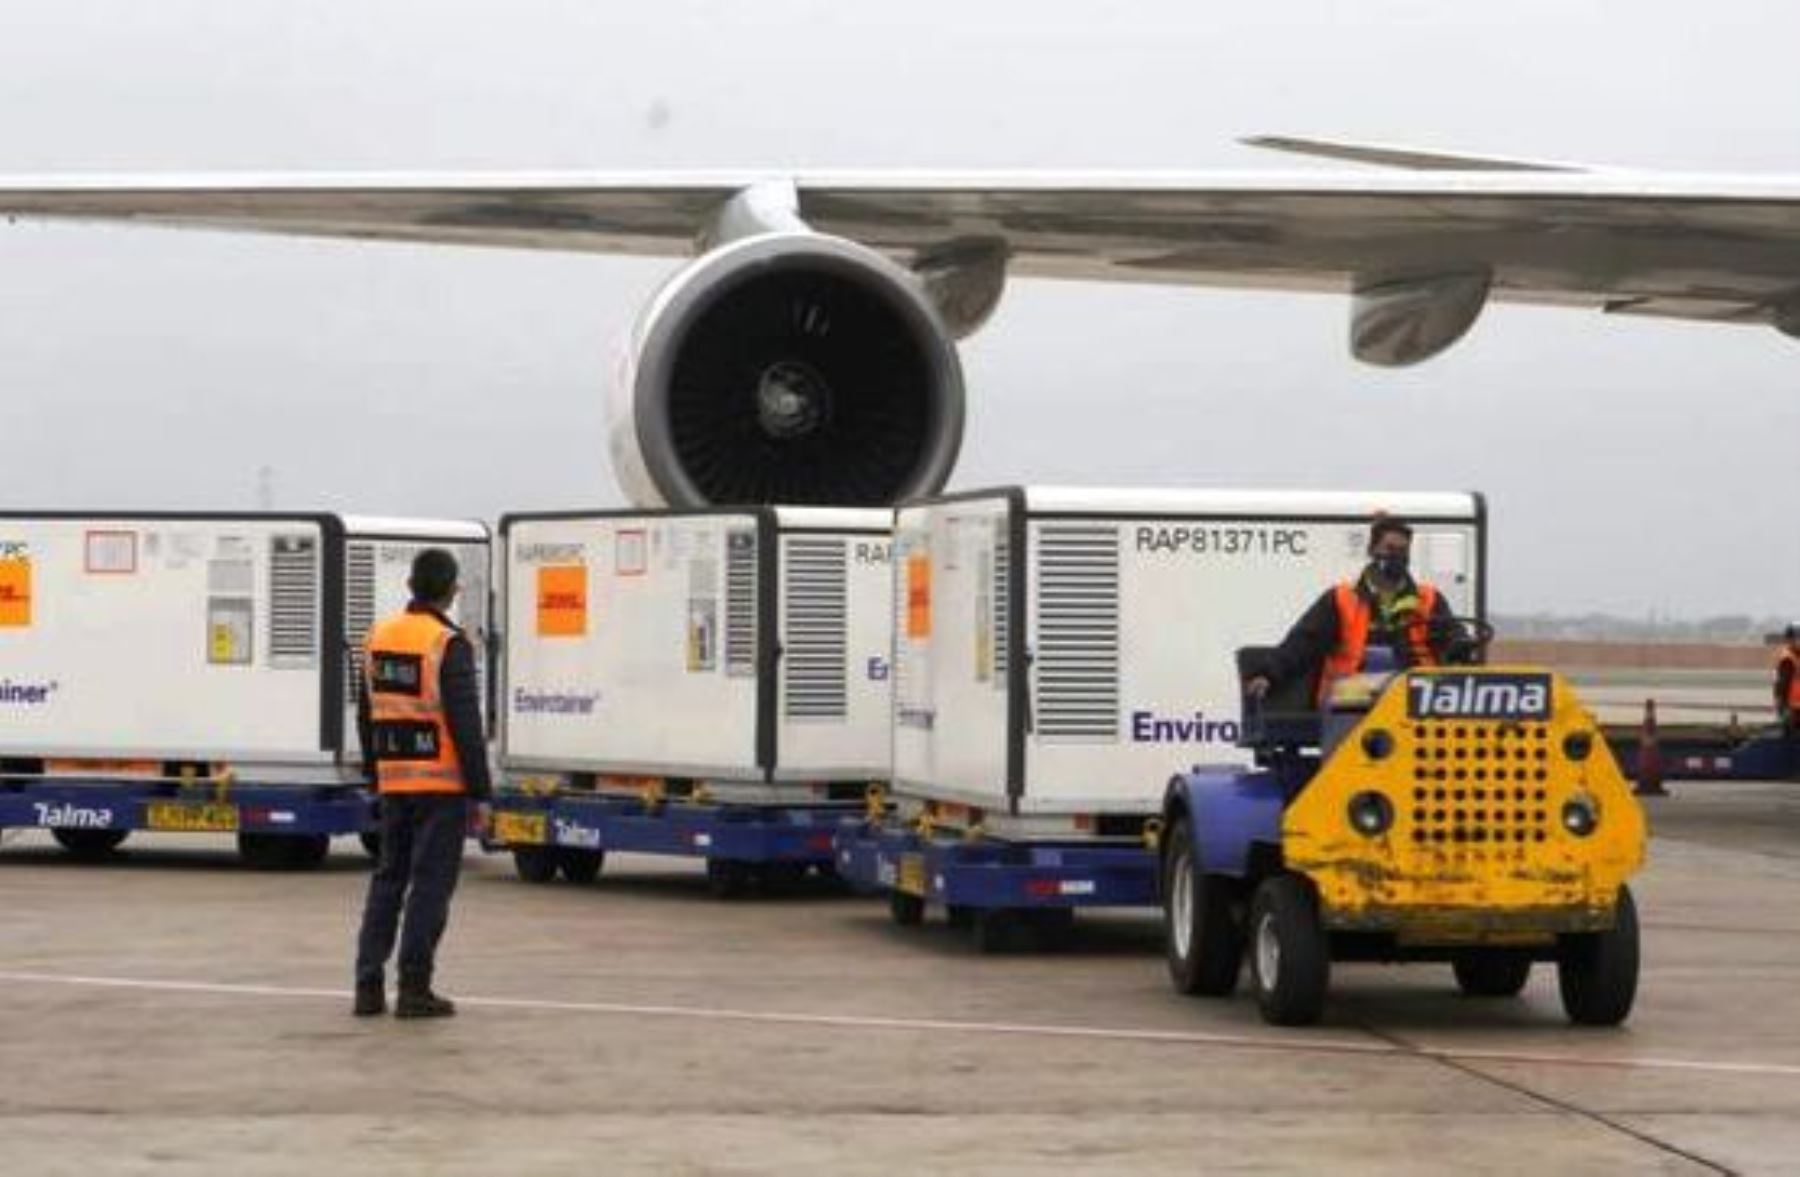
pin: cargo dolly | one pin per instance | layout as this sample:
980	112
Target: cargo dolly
278	826
1002	890
747	846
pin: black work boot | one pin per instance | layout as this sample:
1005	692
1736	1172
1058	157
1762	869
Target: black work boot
420	1002
371	1000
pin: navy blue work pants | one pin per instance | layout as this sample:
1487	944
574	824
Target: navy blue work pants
421	856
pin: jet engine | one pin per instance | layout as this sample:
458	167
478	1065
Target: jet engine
788	367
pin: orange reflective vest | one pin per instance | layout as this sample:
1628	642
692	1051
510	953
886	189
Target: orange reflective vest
1790	659
402	665
1355	618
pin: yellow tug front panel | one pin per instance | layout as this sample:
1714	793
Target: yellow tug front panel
1489	773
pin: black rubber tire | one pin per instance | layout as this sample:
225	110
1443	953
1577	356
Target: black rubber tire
371	843
1492	972
958	916
1286	910
305	851
90	845
265	851
1598	971
579	866
1052	929
535	864
1206	957
994	929
727	878
906	910
782	878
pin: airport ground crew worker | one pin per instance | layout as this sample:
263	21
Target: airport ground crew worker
420	722
1385	606
1787	683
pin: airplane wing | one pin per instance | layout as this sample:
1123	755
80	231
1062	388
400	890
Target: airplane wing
1422	248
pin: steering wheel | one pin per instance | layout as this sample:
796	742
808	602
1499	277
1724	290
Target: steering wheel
1464	640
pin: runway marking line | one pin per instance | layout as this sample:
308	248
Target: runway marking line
1300	1043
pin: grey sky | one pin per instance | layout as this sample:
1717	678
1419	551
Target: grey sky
1630	466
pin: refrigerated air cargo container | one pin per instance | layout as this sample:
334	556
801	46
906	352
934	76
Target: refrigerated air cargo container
196	671
691	682
1059	653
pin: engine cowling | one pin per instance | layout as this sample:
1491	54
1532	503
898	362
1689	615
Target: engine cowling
788	367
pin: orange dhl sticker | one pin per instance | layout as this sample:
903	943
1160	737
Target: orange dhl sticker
562	601
15	593
918	596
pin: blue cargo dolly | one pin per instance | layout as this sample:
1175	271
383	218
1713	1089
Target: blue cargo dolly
744	845
277	826
993	886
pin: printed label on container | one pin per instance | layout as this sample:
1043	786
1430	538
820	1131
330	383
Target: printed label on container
562	601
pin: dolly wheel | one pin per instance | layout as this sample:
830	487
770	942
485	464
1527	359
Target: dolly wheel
89	845
727	878
994	929
535	864
1202	936
906	909
1290	958
580	866
306	851
1598	971
1492	972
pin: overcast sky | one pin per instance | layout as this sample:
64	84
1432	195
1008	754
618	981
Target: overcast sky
1630	466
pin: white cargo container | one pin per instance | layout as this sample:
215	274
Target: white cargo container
1076	689
732	645
206	640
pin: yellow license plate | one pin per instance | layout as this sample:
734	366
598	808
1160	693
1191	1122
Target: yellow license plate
191	818
521	829
912	874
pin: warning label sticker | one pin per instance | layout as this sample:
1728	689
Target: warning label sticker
918	596
562	601
15	591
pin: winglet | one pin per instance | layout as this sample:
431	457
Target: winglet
1404	157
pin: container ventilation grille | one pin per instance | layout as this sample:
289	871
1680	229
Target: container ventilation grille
740	603
293	600
815	647
1077	663
1002	604
359	612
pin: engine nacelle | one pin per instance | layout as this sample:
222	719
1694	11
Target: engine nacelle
788	368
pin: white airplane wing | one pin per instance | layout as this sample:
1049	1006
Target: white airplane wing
1422	248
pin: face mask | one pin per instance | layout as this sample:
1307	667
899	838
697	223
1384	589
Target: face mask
1390	568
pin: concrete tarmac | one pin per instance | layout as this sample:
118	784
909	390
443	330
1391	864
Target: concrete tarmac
170	1012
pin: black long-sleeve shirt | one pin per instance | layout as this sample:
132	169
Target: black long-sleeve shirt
459	686
1317	633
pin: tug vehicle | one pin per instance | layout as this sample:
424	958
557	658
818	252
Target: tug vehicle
1469	815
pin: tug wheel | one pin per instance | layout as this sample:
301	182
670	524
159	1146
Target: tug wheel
1290	958
1202	938
1598	971
1492	972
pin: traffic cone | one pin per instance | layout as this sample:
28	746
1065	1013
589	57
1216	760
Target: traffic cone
1649	757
